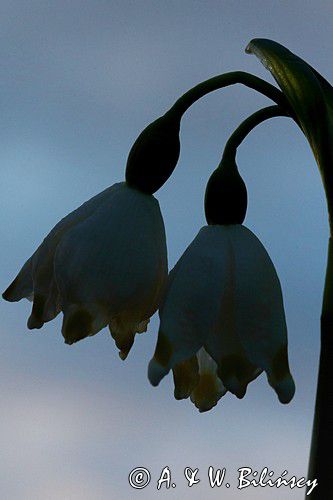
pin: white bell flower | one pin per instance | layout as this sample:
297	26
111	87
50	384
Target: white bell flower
103	264
223	300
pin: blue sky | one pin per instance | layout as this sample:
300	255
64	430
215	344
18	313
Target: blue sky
79	81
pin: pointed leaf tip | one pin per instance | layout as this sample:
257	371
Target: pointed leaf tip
310	98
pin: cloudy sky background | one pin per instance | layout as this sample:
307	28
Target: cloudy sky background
79	81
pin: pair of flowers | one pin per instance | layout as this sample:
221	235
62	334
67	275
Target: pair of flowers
222	320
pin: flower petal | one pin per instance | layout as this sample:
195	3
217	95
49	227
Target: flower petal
103	264
197	378
22	286
188	310
123	333
224	295
260	319
186	377
110	268
35	280
209	389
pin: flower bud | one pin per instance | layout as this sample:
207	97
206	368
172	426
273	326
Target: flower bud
226	195
154	155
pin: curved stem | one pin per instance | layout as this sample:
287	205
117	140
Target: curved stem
225	196
249	124
321	459
220	81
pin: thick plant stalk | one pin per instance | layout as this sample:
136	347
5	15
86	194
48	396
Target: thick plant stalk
321	456
159	144
226	79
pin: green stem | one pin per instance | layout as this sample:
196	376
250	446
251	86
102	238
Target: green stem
321	458
220	81
226	197
249	124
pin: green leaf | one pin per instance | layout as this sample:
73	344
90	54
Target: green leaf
310	97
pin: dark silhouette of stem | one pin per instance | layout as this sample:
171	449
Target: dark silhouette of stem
321	458
249	124
220	81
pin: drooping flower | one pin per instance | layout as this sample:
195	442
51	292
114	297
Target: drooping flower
106	262
103	264
222	308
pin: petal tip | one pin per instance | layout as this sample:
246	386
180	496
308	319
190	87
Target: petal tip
179	395
21	287
5	295
8	294
156	372
123	355
285	389
34	323
233	385
77	325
